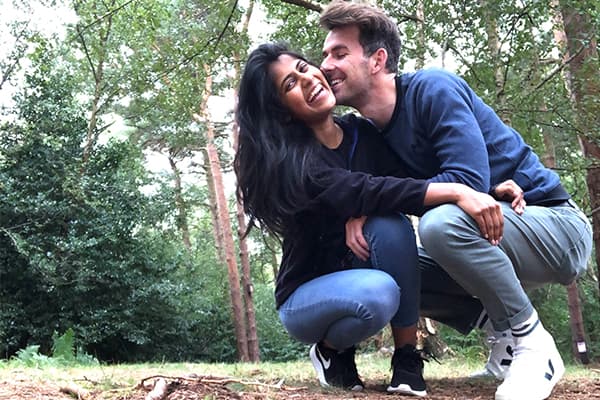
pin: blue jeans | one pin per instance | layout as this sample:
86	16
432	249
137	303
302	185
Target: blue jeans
544	245
348	306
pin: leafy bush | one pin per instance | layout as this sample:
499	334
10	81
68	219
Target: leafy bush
275	343
63	354
82	247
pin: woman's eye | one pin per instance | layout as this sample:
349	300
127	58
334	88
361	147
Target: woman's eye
289	84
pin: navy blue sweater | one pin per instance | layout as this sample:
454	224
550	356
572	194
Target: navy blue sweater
351	181
444	132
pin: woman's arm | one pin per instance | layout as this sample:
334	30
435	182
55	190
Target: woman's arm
480	206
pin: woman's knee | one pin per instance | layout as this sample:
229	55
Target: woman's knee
371	299
389	227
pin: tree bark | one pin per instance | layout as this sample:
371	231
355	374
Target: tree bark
584	83
494	50
421	43
239	321
214	213
182	214
561	34
98	73
248	288
573	301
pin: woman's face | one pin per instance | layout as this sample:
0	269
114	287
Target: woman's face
302	88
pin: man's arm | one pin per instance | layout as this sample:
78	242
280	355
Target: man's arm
443	107
483	208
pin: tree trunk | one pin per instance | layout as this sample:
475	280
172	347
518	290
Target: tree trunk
253	348
239	322
494	50
584	82
214	213
98	73
421	43
562	39
574	303
182	214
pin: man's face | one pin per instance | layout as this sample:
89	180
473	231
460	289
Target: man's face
346	66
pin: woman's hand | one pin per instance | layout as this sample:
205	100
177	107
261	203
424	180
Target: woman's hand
486	212
355	239
510	191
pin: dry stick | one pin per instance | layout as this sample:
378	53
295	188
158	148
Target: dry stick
74	391
160	390
225	380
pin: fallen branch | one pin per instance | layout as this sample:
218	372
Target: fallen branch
160	390
215	380
74	391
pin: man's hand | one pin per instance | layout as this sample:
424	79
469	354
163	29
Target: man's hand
510	191
355	239
486	211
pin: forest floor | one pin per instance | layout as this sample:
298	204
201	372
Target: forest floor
257	381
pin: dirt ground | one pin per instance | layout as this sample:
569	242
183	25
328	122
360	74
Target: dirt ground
217	388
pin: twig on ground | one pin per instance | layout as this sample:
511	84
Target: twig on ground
160	390
74	391
225	380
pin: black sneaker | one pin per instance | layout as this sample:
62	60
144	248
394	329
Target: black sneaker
407	376
335	368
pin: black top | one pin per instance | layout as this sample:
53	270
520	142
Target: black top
351	182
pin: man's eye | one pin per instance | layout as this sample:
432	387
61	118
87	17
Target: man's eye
302	67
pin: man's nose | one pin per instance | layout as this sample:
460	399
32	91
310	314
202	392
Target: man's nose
326	64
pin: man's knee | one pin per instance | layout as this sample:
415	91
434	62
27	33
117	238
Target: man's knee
437	225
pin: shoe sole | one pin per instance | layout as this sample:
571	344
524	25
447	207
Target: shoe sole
406	389
558	374
318	366
486	374
316	362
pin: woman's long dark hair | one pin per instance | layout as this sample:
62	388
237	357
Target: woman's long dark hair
275	152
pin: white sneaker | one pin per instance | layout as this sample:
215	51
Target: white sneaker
535	369
501	345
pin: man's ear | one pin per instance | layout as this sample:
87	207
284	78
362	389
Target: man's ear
378	60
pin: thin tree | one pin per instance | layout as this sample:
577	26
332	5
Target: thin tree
248	288
239	322
584	83
181	220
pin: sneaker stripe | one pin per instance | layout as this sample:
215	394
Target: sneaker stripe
550	375
318	365
525	330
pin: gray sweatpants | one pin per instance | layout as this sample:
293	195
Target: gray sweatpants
462	271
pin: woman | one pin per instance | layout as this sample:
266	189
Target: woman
302	173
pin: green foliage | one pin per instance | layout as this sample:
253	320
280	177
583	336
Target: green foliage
275	343
63	354
471	346
81	245
551	303
298	27
95	247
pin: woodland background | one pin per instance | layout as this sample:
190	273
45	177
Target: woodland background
118	223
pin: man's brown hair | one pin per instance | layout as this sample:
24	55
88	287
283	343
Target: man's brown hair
376	29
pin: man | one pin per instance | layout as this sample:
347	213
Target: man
442	131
